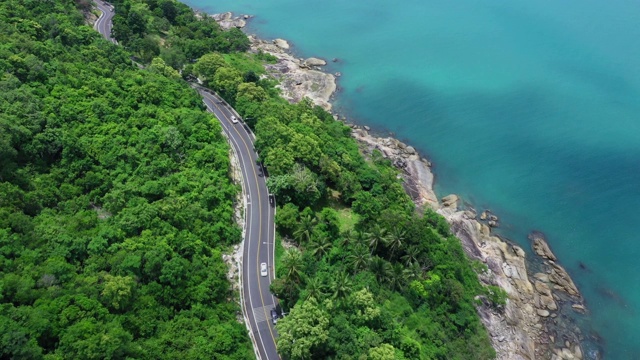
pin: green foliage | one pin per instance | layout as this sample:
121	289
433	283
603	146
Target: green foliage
207	65
389	284
115	197
393	284
172	30
304	332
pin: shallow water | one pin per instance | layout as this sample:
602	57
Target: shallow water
529	108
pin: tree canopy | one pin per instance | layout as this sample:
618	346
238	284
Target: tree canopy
115	197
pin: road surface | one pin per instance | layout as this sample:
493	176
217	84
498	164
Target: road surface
259	232
104	24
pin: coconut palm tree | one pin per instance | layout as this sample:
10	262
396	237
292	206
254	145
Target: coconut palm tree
315	289
411	256
305	228
395	240
413	271
377	236
398	277
359	259
292	265
341	286
320	246
347	237
381	269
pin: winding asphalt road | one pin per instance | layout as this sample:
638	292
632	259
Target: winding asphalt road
259	231
104	24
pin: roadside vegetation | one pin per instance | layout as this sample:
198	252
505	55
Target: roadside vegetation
116	202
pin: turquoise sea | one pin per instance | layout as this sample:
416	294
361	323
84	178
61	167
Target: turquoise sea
529	108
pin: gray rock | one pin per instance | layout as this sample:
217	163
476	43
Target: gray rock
367	128
518	251
542	277
541	247
543	313
314	62
548	302
579	308
282	44
450	201
542	288
410	150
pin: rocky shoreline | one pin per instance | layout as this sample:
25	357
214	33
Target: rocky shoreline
537	320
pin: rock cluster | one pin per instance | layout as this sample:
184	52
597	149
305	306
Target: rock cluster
227	20
527	327
298	78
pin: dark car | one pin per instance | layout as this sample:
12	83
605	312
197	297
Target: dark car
274	316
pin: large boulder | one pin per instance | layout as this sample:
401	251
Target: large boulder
450	201
314	62
282	44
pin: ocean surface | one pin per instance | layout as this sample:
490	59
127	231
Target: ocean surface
528	108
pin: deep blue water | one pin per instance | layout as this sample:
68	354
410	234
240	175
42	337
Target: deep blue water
529	108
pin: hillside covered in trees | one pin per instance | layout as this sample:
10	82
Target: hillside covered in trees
115	201
115	204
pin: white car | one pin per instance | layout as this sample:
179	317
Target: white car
234	119
263	269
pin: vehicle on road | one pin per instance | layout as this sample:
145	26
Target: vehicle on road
263	269
274	316
234	119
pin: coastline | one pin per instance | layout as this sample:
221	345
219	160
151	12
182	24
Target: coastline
536	322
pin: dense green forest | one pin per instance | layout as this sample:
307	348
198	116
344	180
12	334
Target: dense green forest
116	202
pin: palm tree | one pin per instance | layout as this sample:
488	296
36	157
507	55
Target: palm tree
347	237
341	286
411	256
377	236
361	238
305	228
413	271
398	277
359	259
292	265
314	289
395	241
320	246
381	269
